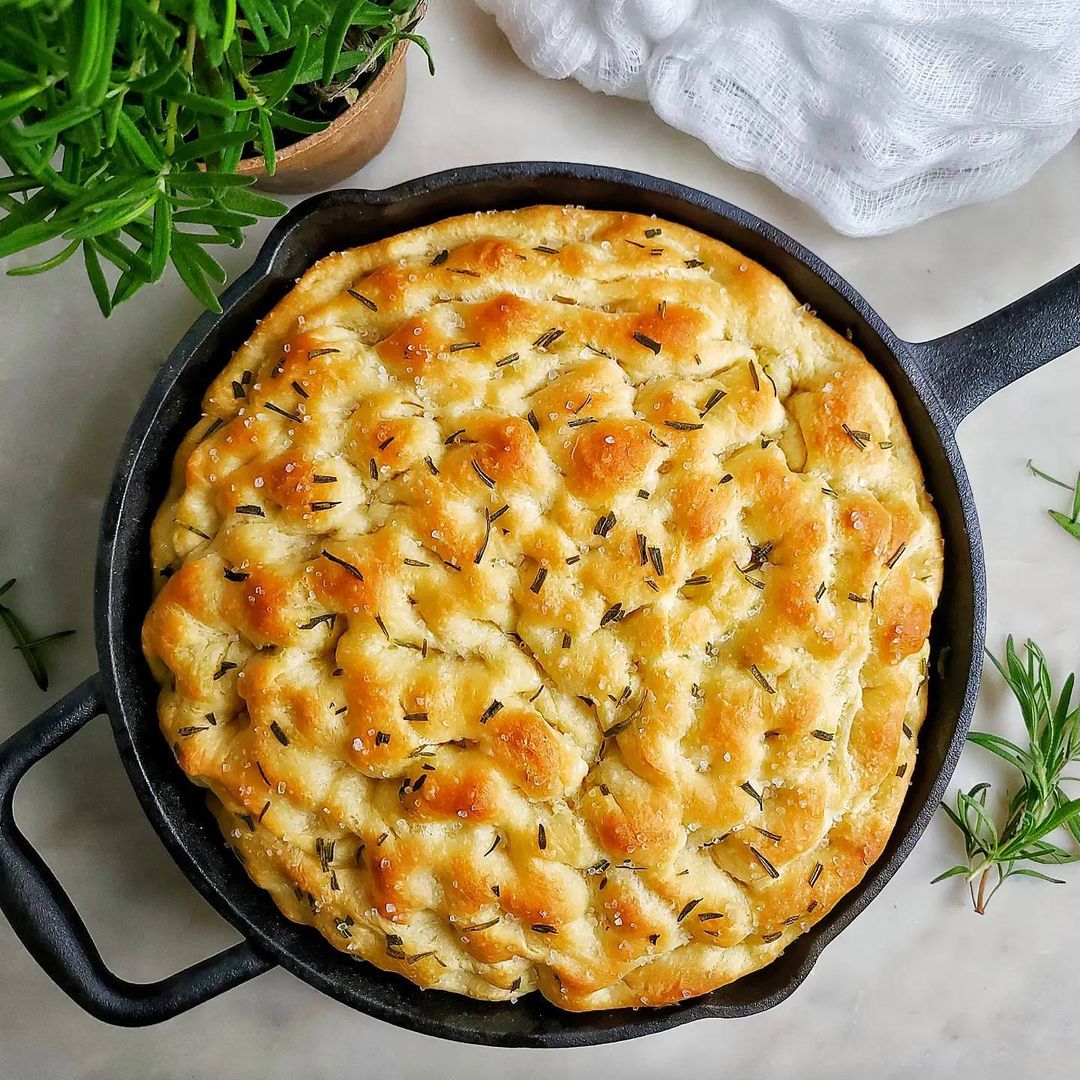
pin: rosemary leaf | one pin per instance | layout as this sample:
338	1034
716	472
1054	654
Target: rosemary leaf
27	645
1071	522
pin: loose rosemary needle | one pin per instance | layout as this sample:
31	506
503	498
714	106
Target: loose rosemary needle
1071	522
1040	805
27	645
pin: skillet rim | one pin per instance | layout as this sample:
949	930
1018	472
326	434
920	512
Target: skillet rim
122	543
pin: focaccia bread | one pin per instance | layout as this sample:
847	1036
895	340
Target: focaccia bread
544	600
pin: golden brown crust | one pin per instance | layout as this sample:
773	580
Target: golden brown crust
545	600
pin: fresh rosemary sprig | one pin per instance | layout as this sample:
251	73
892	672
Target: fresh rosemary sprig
1040	805
25	643
123	122
1070	523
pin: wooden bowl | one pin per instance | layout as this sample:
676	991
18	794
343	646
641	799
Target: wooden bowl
349	142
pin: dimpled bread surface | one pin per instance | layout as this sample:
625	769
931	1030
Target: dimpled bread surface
544	599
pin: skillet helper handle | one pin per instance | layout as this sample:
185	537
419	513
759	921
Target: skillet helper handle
46	920
969	365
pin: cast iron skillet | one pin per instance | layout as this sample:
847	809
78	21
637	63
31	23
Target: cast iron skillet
936	383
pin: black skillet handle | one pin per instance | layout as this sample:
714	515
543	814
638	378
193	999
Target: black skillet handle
46	920
969	365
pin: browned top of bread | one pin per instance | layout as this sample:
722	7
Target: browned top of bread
545	600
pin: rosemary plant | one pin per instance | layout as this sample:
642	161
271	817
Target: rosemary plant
1040	805
123	121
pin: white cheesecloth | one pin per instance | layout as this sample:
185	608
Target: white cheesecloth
879	113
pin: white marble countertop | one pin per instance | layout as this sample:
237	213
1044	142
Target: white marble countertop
917	983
